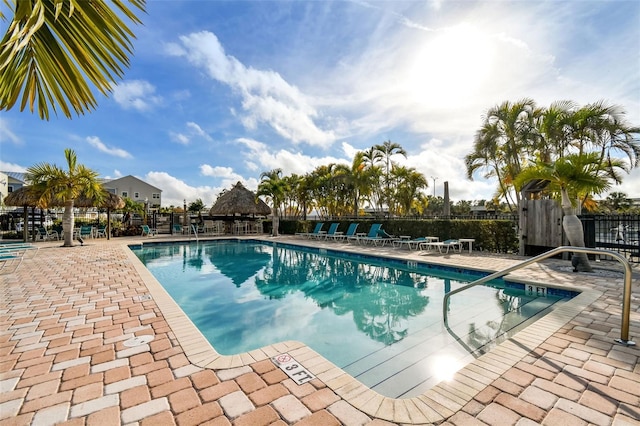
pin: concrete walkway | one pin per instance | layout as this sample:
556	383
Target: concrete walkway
87	337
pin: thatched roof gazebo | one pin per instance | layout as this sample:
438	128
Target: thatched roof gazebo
109	201
24	197
239	200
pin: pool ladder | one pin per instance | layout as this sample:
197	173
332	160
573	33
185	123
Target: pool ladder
626	297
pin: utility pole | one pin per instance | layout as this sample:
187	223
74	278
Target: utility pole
434	185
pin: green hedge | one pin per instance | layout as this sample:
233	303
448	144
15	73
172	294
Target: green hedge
490	235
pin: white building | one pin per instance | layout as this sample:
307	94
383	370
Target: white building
135	189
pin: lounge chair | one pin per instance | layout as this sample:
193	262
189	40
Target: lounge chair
177	228
315	232
351	231
382	238
18	249
9	259
330	233
149	232
362	237
446	244
410	243
12	254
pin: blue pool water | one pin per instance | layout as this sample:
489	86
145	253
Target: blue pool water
380	321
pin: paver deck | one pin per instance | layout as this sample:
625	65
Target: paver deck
68	316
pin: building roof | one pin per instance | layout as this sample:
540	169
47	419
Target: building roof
112	182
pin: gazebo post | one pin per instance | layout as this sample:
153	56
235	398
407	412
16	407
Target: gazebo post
108	223
25	231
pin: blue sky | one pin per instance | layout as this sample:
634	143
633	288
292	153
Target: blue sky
219	92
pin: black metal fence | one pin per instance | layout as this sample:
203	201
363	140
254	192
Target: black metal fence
619	233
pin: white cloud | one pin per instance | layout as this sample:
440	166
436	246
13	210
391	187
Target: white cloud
116	152
180	138
136	94
6	135
193	130
266	97
10	167
175	191
197	130
219	172
290	162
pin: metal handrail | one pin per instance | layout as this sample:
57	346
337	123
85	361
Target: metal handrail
626	297
195	231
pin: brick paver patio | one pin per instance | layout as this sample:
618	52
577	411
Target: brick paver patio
67	316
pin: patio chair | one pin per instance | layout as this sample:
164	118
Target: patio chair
177	229
316	231
149	232
101	231
351	231
43	234
361	237
86	232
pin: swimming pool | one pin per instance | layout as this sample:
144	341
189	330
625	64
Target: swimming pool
380	321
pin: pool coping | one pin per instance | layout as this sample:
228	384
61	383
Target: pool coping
433	406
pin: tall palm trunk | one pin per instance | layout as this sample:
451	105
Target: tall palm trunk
276	222
573	229
68	223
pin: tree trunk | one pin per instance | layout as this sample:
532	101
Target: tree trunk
573	229
276	223
68	223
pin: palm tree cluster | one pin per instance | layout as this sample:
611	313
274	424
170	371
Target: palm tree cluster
519	135
373	179
578	151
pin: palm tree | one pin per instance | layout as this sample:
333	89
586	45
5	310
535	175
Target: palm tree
409	183
555	126
508	137
618	202
363	179
274	187
572	176
387	150
53	48
59	186
371	158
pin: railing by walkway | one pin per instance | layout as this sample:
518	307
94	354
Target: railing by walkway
626	297
619	233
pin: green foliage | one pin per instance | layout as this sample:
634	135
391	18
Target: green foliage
196	207
53	48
